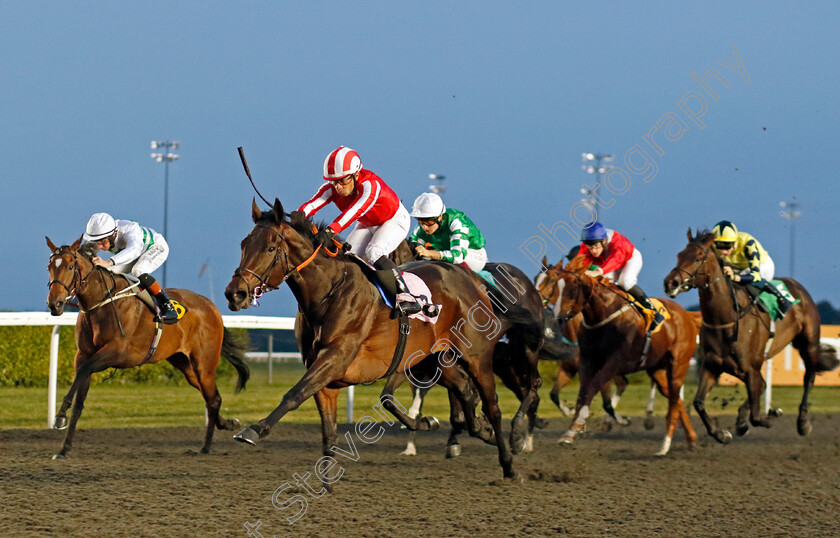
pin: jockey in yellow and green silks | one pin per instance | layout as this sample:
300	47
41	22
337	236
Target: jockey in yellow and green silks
746	260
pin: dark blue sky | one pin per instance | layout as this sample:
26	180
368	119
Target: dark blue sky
502	98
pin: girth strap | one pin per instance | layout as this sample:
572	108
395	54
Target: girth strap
400	350
155	342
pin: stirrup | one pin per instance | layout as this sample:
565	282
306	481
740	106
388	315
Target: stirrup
167	313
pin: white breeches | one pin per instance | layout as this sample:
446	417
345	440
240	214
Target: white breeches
148	261
372	242
767	270
476	259
628	276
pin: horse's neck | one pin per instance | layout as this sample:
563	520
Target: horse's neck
98	286
602	303
317	280
716	300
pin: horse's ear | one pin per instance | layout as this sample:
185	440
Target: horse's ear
50	244
278	211
75	246
544	261
690	239
255	210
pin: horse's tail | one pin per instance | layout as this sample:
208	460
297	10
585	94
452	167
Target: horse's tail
234	347
828	358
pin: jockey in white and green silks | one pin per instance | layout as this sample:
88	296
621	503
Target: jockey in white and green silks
746	260
446	234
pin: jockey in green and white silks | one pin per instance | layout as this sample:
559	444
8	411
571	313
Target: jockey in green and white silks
746	260
136	250
446	234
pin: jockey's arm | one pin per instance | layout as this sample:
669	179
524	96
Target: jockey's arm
754	261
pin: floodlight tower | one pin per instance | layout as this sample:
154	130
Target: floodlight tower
790	212
165	156
439	188
594	164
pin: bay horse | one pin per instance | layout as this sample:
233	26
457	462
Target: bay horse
353	335
612	342
515	363
735	335
114	330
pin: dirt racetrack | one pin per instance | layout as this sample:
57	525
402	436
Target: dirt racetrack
153	482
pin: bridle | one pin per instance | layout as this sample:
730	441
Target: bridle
76	280
690	282
264	286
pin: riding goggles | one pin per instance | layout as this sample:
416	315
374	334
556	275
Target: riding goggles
724	245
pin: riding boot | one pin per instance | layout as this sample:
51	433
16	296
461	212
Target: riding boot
784	303
642	297
167	313
390	277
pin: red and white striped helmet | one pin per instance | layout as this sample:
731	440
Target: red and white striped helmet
341	162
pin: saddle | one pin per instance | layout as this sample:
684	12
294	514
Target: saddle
416	286
647	313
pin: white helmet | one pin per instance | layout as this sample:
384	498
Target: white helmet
428	206
100	226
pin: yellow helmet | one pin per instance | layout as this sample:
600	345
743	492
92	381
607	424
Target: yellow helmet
725	231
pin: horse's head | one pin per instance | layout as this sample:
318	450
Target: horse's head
269	254
697	265
65	275
546	284
572	293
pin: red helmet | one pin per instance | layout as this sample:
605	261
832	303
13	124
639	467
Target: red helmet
340	163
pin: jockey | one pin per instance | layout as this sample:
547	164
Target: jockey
452	236
612	255
751	263
382	222
136	250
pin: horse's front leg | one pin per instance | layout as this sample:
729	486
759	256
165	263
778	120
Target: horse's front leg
61	416
707	381
327	402
411	421
590	385
82	384
755	388
330	365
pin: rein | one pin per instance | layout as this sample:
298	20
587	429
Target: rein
264	286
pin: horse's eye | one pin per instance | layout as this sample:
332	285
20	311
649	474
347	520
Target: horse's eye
272	249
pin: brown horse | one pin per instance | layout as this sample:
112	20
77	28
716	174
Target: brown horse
353	334
735	333
613	342
114	331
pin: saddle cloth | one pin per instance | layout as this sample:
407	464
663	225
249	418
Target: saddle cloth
771	302
420	292
648	314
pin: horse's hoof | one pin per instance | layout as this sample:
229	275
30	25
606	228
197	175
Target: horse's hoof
529	443
622	420
649	425
453	451
742	429
410	450
248	435
804	427
60	423
234	424
205	450
566	439
775	412
517	444
541	423
429	424
723	437
59	456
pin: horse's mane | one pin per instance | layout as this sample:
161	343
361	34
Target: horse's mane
702	236
88	250
577	265
299	223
